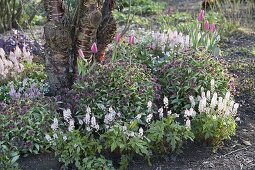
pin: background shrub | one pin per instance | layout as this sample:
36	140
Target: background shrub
140	6
17	14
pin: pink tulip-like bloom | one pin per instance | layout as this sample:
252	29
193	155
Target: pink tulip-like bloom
94	48
212	28
131	40
201	16
81	54
117	38
206	25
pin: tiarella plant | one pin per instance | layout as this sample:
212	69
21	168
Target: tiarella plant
164	132
158	43
76	140
169	40
70	144
124	141
215	118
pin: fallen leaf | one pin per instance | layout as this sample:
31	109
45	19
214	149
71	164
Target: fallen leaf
245	130
246	142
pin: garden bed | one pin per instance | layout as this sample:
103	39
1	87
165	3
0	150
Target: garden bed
162	99
236	154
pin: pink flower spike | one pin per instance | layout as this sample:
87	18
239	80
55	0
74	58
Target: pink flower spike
94	48
117	38
206	25
131	40
201	16
212	28
81	54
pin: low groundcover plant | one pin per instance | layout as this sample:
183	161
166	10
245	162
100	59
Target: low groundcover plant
23	124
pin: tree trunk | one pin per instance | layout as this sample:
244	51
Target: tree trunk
93	23
58	44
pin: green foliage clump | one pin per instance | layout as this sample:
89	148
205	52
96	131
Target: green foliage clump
122	18
95	163
125	86
33	71
75	147
134	13
183	76
253	51
167	136
124	142
140	6
177	21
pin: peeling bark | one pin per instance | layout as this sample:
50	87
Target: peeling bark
89	21
58	45
107	29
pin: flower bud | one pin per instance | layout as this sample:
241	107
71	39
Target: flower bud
81	54
94	48
141	131
206	25
131	40
117	38
188	123
212	28
201	15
